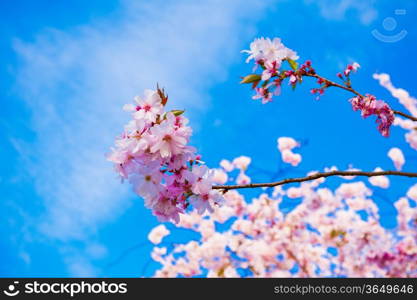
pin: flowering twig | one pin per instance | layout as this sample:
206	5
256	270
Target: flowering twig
404	115
330	83
270	56
313	177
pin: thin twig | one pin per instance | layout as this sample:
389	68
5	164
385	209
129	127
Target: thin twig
404	115
313	177
350	89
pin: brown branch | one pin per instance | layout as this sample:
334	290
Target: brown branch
404	115
313	177
332	83
350	89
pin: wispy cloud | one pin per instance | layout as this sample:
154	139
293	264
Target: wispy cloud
75	82
338	10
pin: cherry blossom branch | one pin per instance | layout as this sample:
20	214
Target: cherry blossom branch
404	115
330	83
313	177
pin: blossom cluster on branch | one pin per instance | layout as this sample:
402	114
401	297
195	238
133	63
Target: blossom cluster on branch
153	153
270	55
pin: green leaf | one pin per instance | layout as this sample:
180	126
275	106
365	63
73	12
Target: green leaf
251	78
293	64
177	112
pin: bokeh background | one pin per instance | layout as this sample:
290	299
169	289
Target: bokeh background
69	66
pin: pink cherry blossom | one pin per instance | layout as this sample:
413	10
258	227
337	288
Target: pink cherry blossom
291	158
227	165
203	180
286	143
267	50
219	176
370	106
353	67
242	178
167	139
206	201
412	192
264	94
380	181
242	162
157	234
285	146
397	157
147	108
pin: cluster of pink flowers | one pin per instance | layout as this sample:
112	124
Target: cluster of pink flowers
329	233
397	157
369	106
409	103
154	155
269	55
351	67
285	146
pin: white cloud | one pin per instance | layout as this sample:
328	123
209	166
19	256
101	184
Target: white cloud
76	81
337	10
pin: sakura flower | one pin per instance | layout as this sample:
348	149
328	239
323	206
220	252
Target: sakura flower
355	189
402	95
380	181
264	94
147	108
271	69
219	176
268	50
286	143
203	180
167	140
230	272
227	165
242	162
158	233
206	201
370	106
291	158
411	138
353	67
397	157
294	192
242	178
412	192
147	181
165	210
124	162
293	80
157	254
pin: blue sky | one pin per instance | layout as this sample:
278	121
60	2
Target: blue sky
69	67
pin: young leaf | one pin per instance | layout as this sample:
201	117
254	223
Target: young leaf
177	112
251	78
293	64
162	95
